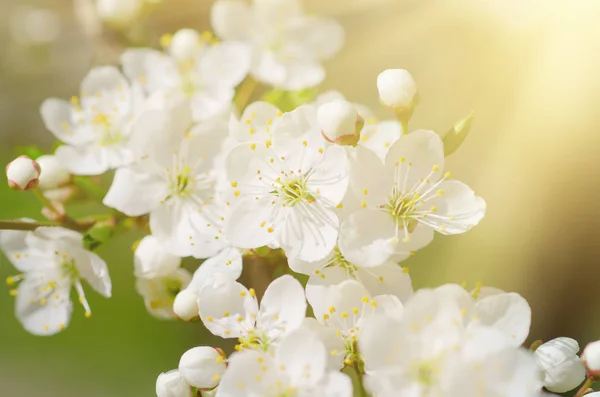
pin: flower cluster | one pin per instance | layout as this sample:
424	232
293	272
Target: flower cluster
320	188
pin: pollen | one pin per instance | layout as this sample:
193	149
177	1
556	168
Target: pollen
365	191
236	193
209	319
270	230
363	204
88	314
365	299
216	377
448	175
226	314
252	292
262	224
253	146
242	293
440	192
405	270
13	292
436	168
43	301
251	131
220	359
344	315
331	309
380	278
354	310
234	184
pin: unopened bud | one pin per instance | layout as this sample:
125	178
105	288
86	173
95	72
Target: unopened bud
119	12
562	369
202	367
185	305
184	44
397	88
172	384
53	174
340	122
23	173
591	358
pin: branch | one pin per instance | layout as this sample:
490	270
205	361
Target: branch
29	226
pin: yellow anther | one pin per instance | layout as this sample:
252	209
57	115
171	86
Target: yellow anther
88	314
252	292
320	150
463	312
262	224
209	319
74	101
242	293
363	204
253	146
433	209
354	310
374	304
365	191
43	301
240	319
405	270
226	314
247	121
238	348
10	280
270	230
325	316
216	377
331	309
61	326
436	168
251	131
365	299
46	327
334	352
339	205
236	193
406	239
276	316
220	359
13	292
344	315
165	40
258	378
234	184
447	175
380	278
440	192
268	143
227	332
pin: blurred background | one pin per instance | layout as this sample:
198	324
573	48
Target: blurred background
529	70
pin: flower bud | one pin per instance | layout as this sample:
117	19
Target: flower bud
53	174
454	138
184	44
185	305
591	358
202	366
119	12
151	260
23	173
563	370
340	122
172	384
397	89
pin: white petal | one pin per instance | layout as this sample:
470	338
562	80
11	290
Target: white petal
250	224
423	150
368	237
103	88
379	342
172	384
228	262
135	192
283	307
57	114
419	238
153	69
249	373
386	279
43	313
304	357
345	305
329	178
509	313
159	293
247	165
370	180
565	377
184	231
313	37
222	303
318	286
307	231
211	103
256	122
288	75
15	247
84	161
225	64
334	345
308	268
336	384
459	209
229	19
151	260
379	137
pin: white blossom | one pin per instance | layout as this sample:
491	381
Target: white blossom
230	310
194	65
340	122
591	357
286	192
52	261
96	126
404	200
298	366
172	181
23	173
119	12
288	45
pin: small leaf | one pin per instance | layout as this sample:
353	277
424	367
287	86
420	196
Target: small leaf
457	134
99	234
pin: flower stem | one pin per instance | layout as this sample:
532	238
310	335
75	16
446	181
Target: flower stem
359	379
585	387
244	93
25	226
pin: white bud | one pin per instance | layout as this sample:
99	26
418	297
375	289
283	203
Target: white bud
185	44
119	12
151	260
185	305
202	366
563	369
340	122
53	174
591	357
397	88
172	384
23	173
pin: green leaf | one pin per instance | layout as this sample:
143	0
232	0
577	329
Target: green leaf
99	234
454	138
287	101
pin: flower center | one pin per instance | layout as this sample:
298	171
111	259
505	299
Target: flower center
107	135
402	208
426	373
293	191
68	269
254	340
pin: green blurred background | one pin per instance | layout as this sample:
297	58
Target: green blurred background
529	69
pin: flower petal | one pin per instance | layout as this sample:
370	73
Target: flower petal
225	64
84	161
250	224
152	260
229	19
304	357
379	137
228	262
135	192
256	123
227	308
329	178
57	117
508	312
370	180
244	377
368	237
386	279
283	307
